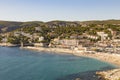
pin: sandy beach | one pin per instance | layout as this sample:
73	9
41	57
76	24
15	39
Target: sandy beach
7	45
106	57
113	74
54	50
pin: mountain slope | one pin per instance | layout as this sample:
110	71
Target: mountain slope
7	26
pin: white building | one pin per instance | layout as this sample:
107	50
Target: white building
92	37
103	35
41	38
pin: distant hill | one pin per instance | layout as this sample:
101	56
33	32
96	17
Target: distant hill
7	26
102	22
62	23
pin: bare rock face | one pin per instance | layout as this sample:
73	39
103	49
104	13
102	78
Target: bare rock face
110	74
77	79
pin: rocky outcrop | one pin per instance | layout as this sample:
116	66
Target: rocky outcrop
110	74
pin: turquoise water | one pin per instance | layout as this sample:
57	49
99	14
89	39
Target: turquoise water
17	64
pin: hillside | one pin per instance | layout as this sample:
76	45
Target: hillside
102	22
7	26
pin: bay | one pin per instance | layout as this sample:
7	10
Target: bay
18	64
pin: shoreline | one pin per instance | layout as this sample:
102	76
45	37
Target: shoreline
8	45
105	57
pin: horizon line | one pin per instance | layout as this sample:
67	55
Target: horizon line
59	20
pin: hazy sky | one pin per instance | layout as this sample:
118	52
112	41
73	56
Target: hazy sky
46	10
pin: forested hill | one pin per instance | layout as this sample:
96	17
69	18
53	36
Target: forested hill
102	22
7	26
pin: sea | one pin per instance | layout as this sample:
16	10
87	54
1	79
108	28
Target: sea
20	64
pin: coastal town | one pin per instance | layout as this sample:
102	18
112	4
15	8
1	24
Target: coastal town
91	37
97	39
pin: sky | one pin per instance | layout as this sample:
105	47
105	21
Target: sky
68	10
